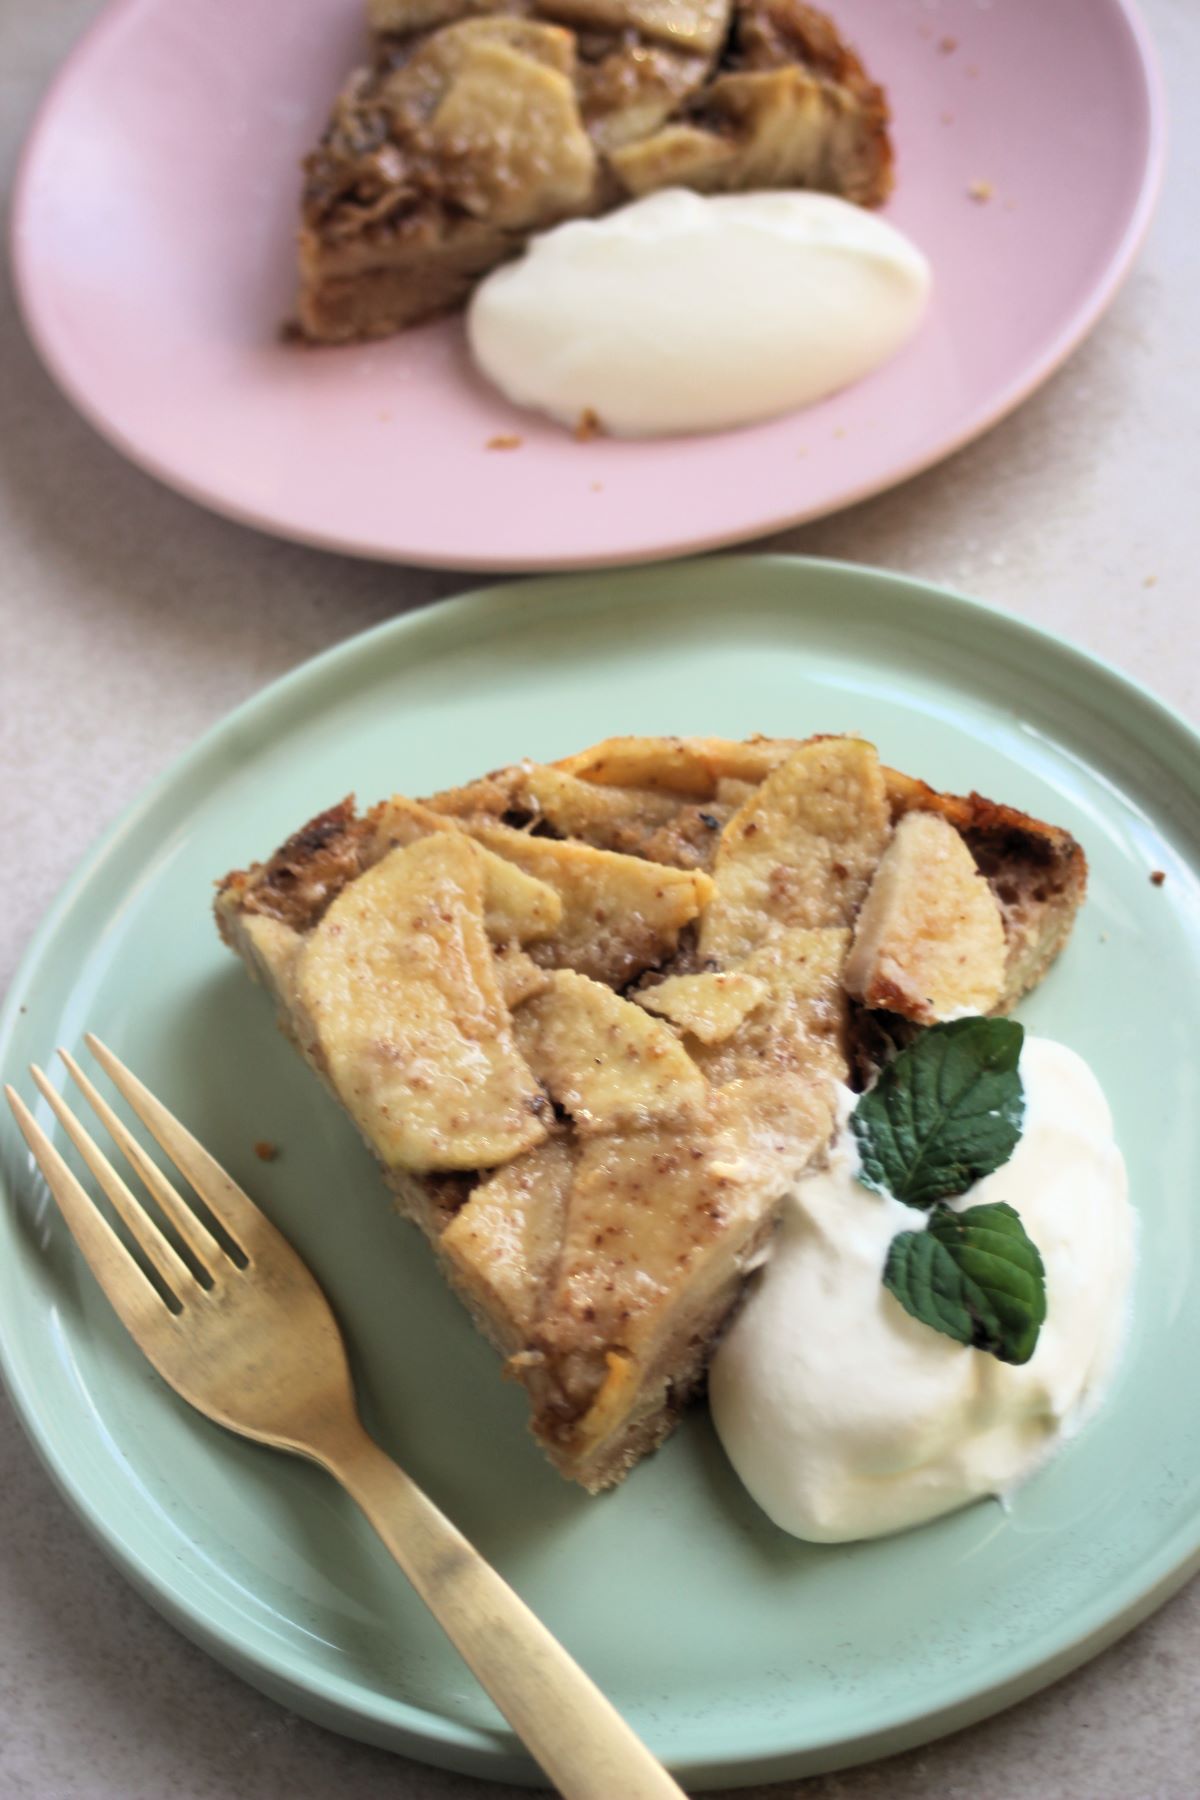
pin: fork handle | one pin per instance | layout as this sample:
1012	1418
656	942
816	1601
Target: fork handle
578	1737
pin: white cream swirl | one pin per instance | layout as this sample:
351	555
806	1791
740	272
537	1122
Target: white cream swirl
847	1418
683	313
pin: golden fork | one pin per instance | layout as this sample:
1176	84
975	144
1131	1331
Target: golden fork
252	1342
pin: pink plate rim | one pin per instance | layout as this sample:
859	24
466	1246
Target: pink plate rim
1072	332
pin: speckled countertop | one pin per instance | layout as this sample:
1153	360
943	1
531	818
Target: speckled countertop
131	620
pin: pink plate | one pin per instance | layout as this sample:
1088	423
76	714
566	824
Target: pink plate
153	232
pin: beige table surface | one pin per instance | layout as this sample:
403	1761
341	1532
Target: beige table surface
130	621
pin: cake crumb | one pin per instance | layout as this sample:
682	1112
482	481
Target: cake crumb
972	70
948	45
265	1150
1150	581
597	487
981	191
947	118
1158	876
840	431
586	426
505	440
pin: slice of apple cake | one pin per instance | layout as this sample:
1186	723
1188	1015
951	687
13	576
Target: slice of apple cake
479	122
591	1017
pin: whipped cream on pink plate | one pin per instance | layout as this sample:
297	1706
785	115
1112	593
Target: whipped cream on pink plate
686	313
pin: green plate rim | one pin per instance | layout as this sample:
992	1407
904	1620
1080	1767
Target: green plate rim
398	1724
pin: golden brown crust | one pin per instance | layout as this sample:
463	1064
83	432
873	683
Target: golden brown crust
298	882
770	33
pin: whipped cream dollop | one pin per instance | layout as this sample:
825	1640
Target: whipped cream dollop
846	1417
686	313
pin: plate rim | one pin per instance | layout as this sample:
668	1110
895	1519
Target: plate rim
1070	335
340	1703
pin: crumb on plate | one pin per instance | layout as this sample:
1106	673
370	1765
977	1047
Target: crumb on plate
1158	876
265	1150
948	45
586	426
505	440
981	191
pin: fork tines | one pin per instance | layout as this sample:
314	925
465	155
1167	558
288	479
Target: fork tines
112	1262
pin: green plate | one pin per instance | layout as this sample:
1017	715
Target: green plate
740	1654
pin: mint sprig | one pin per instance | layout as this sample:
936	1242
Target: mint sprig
946	1112
974	1275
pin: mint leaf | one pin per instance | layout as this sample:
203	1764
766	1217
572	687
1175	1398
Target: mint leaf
947	1111
974	1275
